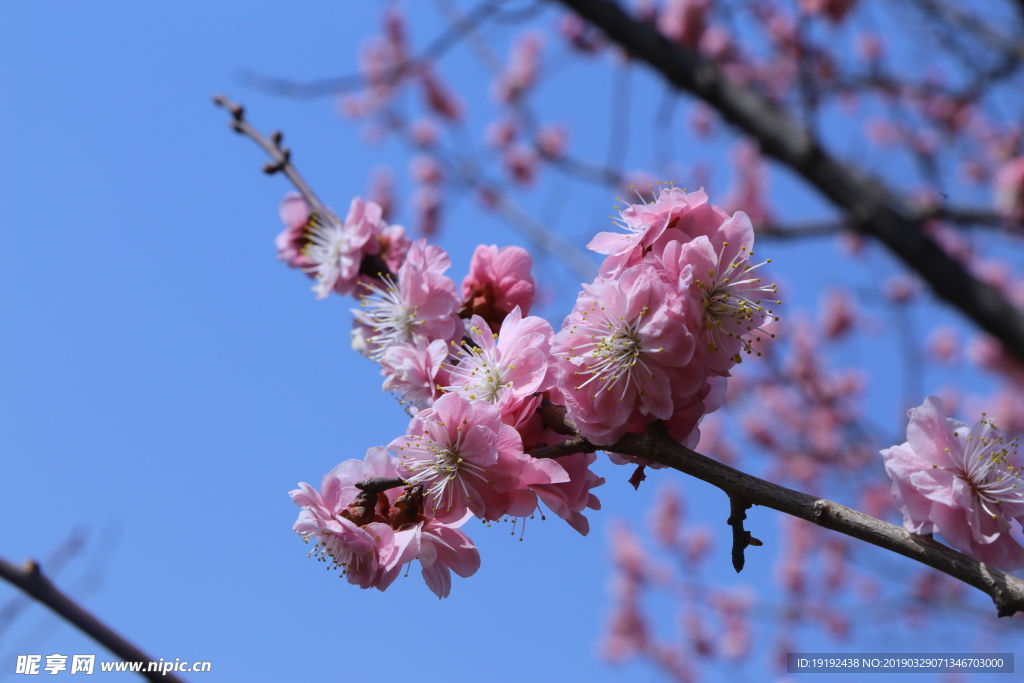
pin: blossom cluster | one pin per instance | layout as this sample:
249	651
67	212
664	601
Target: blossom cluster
653	338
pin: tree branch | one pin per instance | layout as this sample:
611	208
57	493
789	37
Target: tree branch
869	206
32	582
1006	591
281	155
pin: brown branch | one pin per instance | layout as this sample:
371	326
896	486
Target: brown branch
870	207
282	161
1006	591
33	583
741	538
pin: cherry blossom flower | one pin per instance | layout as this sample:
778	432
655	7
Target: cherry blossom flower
962	482
464	456
521	72
422	302
684	21
646	223
441	549
292	242
363	550
507	367
335	250
622	351
371	536
715	273
498	281
568	499
1009	189
415	371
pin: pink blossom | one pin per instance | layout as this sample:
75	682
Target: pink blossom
394	245
835	10
959	481
1009	189
622	352
504	368
568	498
838	316
371	537
725	304
422	303
684	21
580	34
521	163
427	204
465	457
551	141
382	191
498	281
364	552
943	344
292	242
438	98
440	549
415	371
336	250
645	225
500	133
521	72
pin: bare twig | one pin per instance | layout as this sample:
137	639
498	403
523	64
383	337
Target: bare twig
30	579
282	162
1006	591
870	207
741	538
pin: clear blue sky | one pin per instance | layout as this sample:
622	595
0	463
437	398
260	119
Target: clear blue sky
165	381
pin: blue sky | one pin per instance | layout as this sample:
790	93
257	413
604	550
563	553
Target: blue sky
165	381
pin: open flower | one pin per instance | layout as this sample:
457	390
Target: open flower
335	250
361	545
962	482
505	368
464	456
622	353
421	303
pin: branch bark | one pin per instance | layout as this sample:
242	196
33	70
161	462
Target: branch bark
870	208
1006	591
32	581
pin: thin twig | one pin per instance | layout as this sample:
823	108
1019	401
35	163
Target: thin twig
281	155
32	581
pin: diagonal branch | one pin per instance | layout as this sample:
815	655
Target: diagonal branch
1006	591
32	582
869	206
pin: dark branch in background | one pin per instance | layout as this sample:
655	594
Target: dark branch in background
964	217
870	208
70	548
32	582
1006	591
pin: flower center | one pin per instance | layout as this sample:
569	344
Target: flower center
987	469
328	249
440	468
732	303
477	373
616	350
386	313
